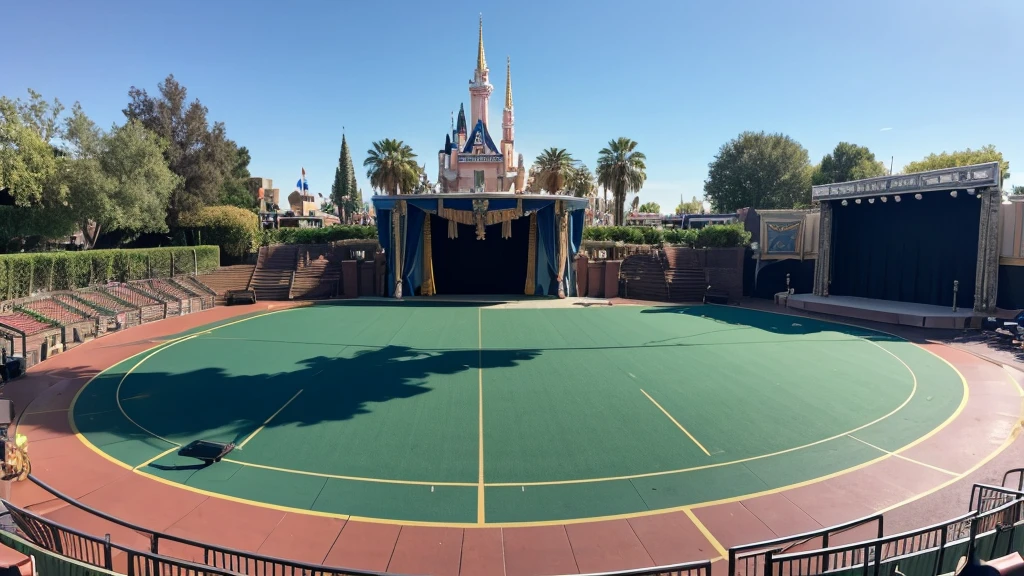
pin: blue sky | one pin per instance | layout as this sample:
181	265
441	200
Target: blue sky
904	78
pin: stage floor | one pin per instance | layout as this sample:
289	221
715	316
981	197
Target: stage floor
887	311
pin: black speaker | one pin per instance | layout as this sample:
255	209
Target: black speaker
6	412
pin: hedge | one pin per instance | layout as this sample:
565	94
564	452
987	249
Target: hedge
318	235
712	236
236	230
23	274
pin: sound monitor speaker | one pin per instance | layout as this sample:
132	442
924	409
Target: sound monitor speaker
6	412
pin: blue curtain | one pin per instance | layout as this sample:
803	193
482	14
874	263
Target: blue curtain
412	269
547	262
384	237
575	241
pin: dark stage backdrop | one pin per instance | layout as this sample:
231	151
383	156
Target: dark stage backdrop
465	265
910	251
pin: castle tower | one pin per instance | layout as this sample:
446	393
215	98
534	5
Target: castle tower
508	121
479	87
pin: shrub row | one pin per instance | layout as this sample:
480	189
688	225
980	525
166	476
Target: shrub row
318	235
23	274
713	236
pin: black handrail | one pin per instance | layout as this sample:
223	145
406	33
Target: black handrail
1020	477
761	547
981	490
214	556
698	568
53	536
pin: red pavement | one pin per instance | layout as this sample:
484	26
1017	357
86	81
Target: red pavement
977	446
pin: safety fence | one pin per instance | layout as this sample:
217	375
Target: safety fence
992	528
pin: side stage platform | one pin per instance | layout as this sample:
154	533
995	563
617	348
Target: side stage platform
887	311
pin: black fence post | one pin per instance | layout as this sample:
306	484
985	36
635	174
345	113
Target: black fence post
108	559
768	564
154	545
732	562
942	551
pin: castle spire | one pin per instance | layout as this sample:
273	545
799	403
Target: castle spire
508	83
481	60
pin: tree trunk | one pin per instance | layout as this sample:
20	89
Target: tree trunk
620	205
90	242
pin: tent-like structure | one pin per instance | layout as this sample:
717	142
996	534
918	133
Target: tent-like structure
480	243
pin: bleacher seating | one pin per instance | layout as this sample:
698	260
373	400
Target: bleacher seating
227	278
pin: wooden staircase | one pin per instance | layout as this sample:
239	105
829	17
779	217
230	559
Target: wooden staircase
686	278
275	267
317	273
645	277
228	278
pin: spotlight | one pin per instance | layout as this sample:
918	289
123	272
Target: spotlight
918	196
884	199
857	200
953	193
970	191
896	198
871	200
845	203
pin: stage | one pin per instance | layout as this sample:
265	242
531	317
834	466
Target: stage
887	311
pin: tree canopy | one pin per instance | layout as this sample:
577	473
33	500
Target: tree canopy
961	158
200	153
391	166
621	168
694	206
650	208
759	170
554	166
847	162
345	191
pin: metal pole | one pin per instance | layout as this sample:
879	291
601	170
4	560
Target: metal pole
956	288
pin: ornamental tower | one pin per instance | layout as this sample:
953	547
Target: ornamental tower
479	87
508	121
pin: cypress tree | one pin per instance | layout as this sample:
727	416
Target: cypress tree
343	188
354	196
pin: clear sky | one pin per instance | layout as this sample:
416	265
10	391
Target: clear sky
681	77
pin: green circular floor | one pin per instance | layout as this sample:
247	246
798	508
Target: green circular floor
457	414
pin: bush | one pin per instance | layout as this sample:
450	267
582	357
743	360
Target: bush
722	236
713	236
236	230
23	274
318	235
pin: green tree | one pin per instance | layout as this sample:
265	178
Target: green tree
235	191
1017	190
344	190
621	169
391	166
116	181
759	170
580	181
199	153
30	167
694	206
650	208
554	166
962	158
847	162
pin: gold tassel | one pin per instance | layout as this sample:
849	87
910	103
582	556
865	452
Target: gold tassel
428	261
563	250
453	229
531	258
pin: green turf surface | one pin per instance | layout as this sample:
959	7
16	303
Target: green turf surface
374	409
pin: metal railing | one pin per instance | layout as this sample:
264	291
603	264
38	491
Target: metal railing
702	568
1010	474
100	552
229	560
750	559
985	497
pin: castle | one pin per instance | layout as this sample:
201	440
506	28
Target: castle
470	162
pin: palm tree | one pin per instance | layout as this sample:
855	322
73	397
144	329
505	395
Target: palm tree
392	166
553	168
620	167
580	181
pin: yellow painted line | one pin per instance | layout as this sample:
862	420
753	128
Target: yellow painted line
44	412
676	422
157	457
353	478
913	391
901	457
481	516
267	421
707	533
